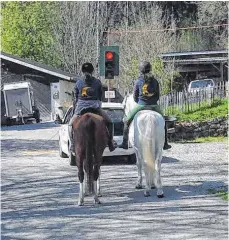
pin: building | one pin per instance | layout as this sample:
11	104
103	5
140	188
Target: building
44	80
52	87
199	65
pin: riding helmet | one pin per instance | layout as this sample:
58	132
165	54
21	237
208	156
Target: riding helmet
145	67
87	67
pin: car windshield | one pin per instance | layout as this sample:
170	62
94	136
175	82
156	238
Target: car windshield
201	84
68	115
115	114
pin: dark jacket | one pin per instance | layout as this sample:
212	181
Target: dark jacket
86	91
146	93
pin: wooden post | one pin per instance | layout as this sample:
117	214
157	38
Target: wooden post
221	72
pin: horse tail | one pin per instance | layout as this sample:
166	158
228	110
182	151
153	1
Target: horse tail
90	142
149	146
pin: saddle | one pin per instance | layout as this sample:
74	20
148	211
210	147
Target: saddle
89	110
94	111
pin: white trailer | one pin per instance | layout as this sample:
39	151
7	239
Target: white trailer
20	103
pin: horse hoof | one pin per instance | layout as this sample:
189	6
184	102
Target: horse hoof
138	186
97	202
80	203
146	194
160	196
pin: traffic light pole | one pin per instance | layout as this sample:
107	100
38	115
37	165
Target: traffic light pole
108	83
108	88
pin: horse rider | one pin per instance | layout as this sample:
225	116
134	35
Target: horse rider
146	94
88	94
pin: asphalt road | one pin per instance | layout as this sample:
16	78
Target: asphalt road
40	190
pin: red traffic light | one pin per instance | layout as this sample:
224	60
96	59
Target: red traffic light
109	55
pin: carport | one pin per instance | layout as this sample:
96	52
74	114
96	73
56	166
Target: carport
43	79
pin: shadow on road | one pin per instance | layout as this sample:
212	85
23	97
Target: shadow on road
32	145
123	160
169	160
63	202
32	126
53	145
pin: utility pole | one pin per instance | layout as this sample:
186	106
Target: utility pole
127	17
97	37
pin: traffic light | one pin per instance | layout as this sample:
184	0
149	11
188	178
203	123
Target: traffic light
109	61
109	64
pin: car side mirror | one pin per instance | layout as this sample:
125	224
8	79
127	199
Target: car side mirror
58	120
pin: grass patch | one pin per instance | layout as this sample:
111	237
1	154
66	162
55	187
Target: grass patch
218	109
208	139
223	193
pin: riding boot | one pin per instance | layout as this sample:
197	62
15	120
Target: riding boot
166	145
111	145
71	148
124	143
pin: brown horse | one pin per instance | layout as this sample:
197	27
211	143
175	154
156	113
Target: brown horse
90	139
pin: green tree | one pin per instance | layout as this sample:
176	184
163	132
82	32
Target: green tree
27	30
211	13
165	75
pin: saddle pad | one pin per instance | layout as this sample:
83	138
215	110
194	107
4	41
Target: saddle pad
95	116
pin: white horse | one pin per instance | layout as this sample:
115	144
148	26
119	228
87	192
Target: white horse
147	136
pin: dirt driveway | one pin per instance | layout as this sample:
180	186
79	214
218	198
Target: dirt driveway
40	190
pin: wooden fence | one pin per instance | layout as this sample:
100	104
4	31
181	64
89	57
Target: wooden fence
190	101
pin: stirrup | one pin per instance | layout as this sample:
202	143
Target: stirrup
112	146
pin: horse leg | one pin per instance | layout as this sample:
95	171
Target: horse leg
86	191
160	193
96	180
153	186
98	185
81	179
148	181
139	165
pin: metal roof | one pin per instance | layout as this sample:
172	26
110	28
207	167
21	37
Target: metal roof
17	85
198	60
38	66
190	53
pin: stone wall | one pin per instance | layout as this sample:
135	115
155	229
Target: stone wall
191	130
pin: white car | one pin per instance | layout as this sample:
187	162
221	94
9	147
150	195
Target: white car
197	85
116	113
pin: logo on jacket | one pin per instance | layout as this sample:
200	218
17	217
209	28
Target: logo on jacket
87	91
145	91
